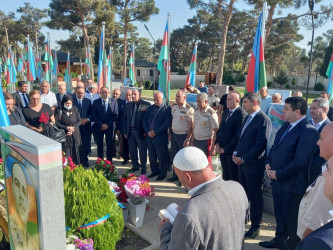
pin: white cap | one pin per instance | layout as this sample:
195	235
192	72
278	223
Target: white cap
190	159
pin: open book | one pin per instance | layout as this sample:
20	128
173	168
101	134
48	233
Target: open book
169	213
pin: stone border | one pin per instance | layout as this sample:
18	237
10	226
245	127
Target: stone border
141	234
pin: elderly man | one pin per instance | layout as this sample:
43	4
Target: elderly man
181	127
322	238
277	98
213	218
326	96
156	123
116	94
202	87
287	165
205	125
87	83
266	99
47	96
21	96
92	94
298	93
61	93
134	112
314	207
318	111
250	156
213	100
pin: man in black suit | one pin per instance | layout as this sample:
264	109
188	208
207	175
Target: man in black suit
318	111
134	132
21	96
287	165
123	142
61	93
85	109
326	96
226	138
105	114
250	155
156	123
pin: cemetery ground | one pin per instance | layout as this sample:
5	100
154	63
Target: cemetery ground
147	237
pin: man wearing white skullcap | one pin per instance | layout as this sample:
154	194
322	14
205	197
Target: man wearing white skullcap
213	218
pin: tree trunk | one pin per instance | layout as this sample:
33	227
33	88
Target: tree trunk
125	49
269	20
36	39
6	30
223	42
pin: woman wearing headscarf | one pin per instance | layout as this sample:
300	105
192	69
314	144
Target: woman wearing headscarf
15	114
68	118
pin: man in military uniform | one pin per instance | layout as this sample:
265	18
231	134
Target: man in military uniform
181	126
192	90
213	100
205	126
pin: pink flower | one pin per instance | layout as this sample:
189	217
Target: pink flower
108	162
104	165
98	161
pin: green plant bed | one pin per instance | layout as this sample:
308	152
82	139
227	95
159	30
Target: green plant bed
88	198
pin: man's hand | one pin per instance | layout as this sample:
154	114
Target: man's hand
125	137
272	174
104	127
169	137
151	133
162	222
186	143
237	160
84	121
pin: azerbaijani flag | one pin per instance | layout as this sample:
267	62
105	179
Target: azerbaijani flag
29	58
20	66
101	61
4	119
87	63
329	74
190	80
68	78
132	66
39	69
256	76
109	70
164	66
11	71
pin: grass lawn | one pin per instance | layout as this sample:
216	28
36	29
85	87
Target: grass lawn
149	94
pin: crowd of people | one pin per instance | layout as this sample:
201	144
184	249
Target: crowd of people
235	127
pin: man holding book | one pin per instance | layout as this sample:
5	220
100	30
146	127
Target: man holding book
216	208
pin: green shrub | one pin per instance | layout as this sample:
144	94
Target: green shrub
147	84
281	78
240	77
319	86
74	75
269	83
228	78
287	86
293	81
87	199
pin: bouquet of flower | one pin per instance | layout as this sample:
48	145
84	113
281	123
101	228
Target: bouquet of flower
44	119
84	244
110	172
122	197
137	188
68	161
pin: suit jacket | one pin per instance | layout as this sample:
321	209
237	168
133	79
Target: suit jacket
99	116
291	157
17	118
58	98
227	133
18	100
198	223
322	239
91	98
330	113
317	161
161	124
142	109
120	120
85	112
251	145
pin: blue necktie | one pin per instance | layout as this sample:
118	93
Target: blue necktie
246	124
285	133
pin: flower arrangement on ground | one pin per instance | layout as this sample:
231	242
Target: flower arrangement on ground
84	244
122	197
137	188
68	161
91	209
110	172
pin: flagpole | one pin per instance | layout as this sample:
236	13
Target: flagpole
28	65
110	67
263	31
168	64
103	54
134	73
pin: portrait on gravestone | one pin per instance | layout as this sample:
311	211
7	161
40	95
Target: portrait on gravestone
22	204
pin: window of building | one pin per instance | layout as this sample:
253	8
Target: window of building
138	72
151	72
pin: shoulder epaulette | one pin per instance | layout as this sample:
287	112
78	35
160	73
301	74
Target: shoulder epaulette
174	104
212	111
188	105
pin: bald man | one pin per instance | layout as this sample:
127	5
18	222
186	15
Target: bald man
205	222
277	98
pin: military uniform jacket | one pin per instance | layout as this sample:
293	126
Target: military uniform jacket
204	123
182	118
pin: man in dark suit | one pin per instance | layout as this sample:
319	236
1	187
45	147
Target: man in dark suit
287	165
156	123
318	111
21	96
322	238
226	138
123	142
134	132
85	109
250	155
61	93
105	114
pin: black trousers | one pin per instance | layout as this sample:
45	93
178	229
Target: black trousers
286	207
125	149
158	150
230	169
85	147
109	143
177	142
136	143
251	180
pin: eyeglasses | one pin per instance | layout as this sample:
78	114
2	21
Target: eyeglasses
35	99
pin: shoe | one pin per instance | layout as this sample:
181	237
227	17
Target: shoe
252	233
174	178
133	170
143	171
179	184
161	177
272	244
169	168
124	162
152	175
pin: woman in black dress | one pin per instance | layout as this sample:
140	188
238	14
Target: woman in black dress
15	114
68	118
35	111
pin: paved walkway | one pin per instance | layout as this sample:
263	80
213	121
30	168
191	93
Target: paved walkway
168	192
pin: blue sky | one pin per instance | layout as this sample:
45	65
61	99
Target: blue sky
179	11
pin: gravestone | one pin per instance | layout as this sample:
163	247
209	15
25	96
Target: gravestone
34	189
